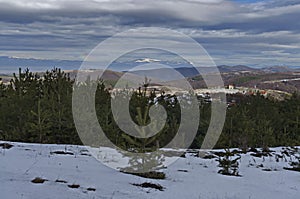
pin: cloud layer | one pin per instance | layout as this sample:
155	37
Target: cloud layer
262	33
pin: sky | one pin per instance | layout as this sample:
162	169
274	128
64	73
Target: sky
43	33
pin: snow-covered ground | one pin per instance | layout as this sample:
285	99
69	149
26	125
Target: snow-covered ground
190	177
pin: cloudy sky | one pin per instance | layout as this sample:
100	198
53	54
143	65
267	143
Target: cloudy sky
251	32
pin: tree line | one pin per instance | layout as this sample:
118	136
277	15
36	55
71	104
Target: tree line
38	108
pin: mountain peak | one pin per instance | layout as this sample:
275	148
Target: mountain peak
147	60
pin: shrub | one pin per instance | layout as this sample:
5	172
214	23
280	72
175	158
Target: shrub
229	166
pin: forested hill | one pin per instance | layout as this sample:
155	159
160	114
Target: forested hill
38	108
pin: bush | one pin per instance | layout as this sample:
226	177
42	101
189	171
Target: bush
229	166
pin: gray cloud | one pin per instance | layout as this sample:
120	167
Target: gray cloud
233	33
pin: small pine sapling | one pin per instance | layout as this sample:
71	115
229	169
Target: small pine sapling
229	165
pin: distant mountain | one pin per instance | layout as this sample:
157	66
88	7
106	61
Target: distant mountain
237	68
167	74
11	64
278	69
107	75
8	65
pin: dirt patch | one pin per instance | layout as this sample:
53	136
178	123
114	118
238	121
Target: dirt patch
150	185
209	156
6	145
267	169
183	170
61	181
38	180
150	175
74	186
261	154
85	154
62	153
292	169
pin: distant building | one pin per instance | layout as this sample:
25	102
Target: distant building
231	86
263	92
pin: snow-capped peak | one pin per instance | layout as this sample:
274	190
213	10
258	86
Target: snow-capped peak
147	60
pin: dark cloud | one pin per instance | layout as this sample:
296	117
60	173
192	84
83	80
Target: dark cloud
69	29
